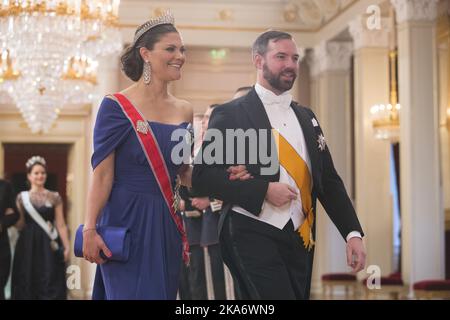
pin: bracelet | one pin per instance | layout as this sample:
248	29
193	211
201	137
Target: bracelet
88	229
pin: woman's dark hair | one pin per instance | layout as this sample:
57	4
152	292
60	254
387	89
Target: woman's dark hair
132	62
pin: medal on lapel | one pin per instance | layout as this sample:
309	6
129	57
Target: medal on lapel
322	143
141	127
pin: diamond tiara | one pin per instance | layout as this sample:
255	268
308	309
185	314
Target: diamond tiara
166	18
35	159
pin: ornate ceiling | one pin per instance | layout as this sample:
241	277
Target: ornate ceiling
306	15
313	13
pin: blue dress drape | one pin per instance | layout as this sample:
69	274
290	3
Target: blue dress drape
135	201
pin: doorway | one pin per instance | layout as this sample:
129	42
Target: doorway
56	156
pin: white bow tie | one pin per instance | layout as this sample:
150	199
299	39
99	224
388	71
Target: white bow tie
283	100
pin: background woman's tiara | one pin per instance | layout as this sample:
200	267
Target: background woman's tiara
166	18
35	159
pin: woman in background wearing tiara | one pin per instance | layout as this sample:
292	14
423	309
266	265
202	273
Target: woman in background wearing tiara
39	263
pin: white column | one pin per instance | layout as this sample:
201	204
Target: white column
443	33
422	212
108	82
299	90
444	116
372	156
330	65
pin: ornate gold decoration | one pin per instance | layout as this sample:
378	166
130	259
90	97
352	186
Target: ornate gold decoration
81	68
7	71
386	122
49	40
226	15
290	12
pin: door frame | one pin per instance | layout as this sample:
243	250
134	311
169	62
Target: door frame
74	130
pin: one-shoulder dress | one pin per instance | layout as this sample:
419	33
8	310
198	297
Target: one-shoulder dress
136	202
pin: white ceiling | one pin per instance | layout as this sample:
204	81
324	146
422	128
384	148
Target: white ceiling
236	23
304	14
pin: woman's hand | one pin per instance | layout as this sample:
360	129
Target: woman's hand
239	173
66	254
92	245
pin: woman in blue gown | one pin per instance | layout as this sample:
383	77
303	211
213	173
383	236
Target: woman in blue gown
124	191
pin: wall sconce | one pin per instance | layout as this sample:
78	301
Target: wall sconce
386	117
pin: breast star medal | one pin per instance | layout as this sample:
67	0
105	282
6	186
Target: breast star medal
322	143
141	127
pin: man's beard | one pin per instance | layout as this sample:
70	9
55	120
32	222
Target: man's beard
275	79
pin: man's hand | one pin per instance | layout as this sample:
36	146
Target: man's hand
239	173
182	205
278	194
200	203
356	254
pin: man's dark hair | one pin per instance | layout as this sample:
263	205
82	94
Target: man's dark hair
214	105
261	43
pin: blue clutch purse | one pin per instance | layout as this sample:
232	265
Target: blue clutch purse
117	239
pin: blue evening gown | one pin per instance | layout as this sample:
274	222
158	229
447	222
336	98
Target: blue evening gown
152	270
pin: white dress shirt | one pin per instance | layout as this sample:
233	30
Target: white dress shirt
283	119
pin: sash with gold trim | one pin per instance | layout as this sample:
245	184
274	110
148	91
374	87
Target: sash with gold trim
156	161
297	168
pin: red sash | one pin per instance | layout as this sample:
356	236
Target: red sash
155	160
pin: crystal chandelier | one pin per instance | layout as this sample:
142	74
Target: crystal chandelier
80	77
49	51
386	117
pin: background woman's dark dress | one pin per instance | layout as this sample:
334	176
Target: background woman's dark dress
6	201
38	271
